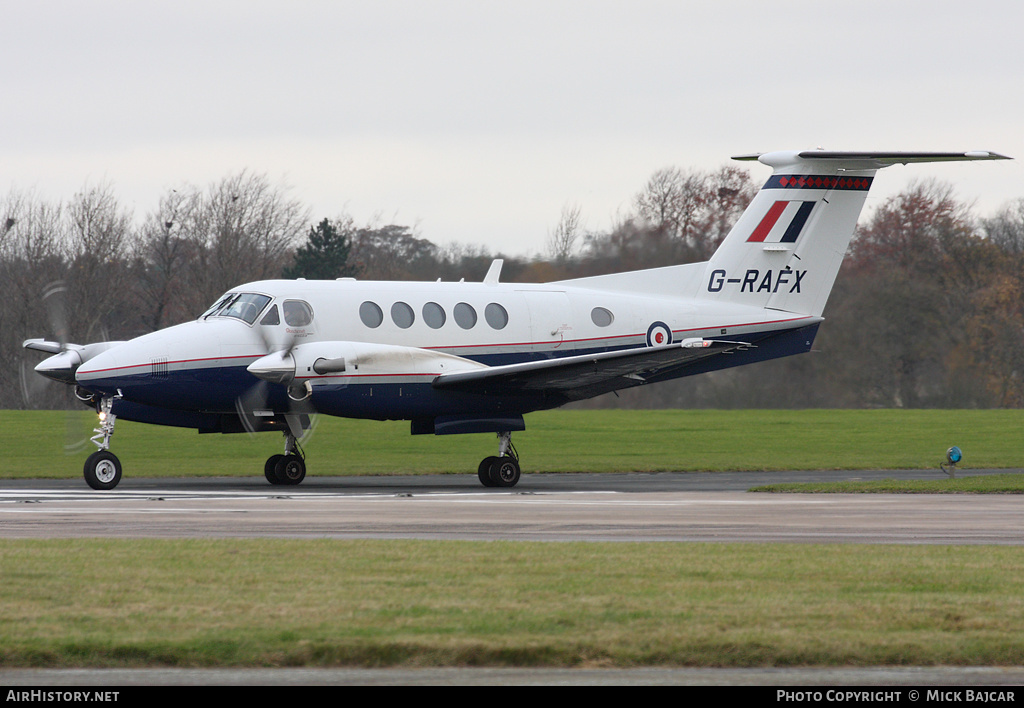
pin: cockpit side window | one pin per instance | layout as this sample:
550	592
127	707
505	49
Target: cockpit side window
272	317
297	313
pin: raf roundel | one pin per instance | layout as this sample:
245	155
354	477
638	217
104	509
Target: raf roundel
659	335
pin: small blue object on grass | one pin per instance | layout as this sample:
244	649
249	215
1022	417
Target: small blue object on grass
953	456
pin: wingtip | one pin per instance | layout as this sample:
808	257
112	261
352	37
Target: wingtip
985	155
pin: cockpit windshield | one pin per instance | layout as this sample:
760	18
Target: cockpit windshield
217	305
241	306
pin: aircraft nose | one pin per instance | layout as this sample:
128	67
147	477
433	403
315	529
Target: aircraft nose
101	374
191	365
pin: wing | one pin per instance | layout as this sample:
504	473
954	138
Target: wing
587	375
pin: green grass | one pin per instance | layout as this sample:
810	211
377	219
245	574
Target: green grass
555	441
274	602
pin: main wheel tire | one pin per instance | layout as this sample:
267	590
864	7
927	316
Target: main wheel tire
270	469
102	470
483	472
504	472
290	470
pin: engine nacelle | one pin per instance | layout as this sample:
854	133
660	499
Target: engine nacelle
317	360
66	357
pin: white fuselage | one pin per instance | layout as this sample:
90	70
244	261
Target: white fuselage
439	327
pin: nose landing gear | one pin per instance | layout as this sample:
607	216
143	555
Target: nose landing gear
102	469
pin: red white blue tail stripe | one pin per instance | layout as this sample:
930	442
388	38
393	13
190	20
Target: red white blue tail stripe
783	222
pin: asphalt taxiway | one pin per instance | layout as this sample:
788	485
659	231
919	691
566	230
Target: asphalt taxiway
710	507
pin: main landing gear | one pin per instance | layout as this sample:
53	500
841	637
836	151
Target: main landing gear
102	469
502	470
289	468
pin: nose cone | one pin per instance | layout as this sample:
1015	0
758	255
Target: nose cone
60	367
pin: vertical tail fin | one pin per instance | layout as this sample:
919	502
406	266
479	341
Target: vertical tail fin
785	251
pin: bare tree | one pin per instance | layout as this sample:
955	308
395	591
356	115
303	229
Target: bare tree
242	228
671	200
562	241
392	252
98	234
162	257
1006	230
695	207
31	259
728	191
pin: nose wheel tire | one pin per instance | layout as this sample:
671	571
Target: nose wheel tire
102	470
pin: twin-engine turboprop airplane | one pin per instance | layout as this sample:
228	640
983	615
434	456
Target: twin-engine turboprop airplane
474	357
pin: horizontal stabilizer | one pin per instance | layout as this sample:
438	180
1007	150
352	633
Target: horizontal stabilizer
872	160
903	158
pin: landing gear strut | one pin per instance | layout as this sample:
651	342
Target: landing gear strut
102	469
502	470
289	468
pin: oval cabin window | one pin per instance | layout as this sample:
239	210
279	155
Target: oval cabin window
433	315
402	315
371	314
601	316
465	315
496	316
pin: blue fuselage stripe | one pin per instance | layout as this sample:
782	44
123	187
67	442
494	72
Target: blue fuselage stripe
206	391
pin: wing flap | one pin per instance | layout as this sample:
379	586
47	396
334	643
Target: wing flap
583	376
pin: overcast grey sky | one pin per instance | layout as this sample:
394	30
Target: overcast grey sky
476	121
